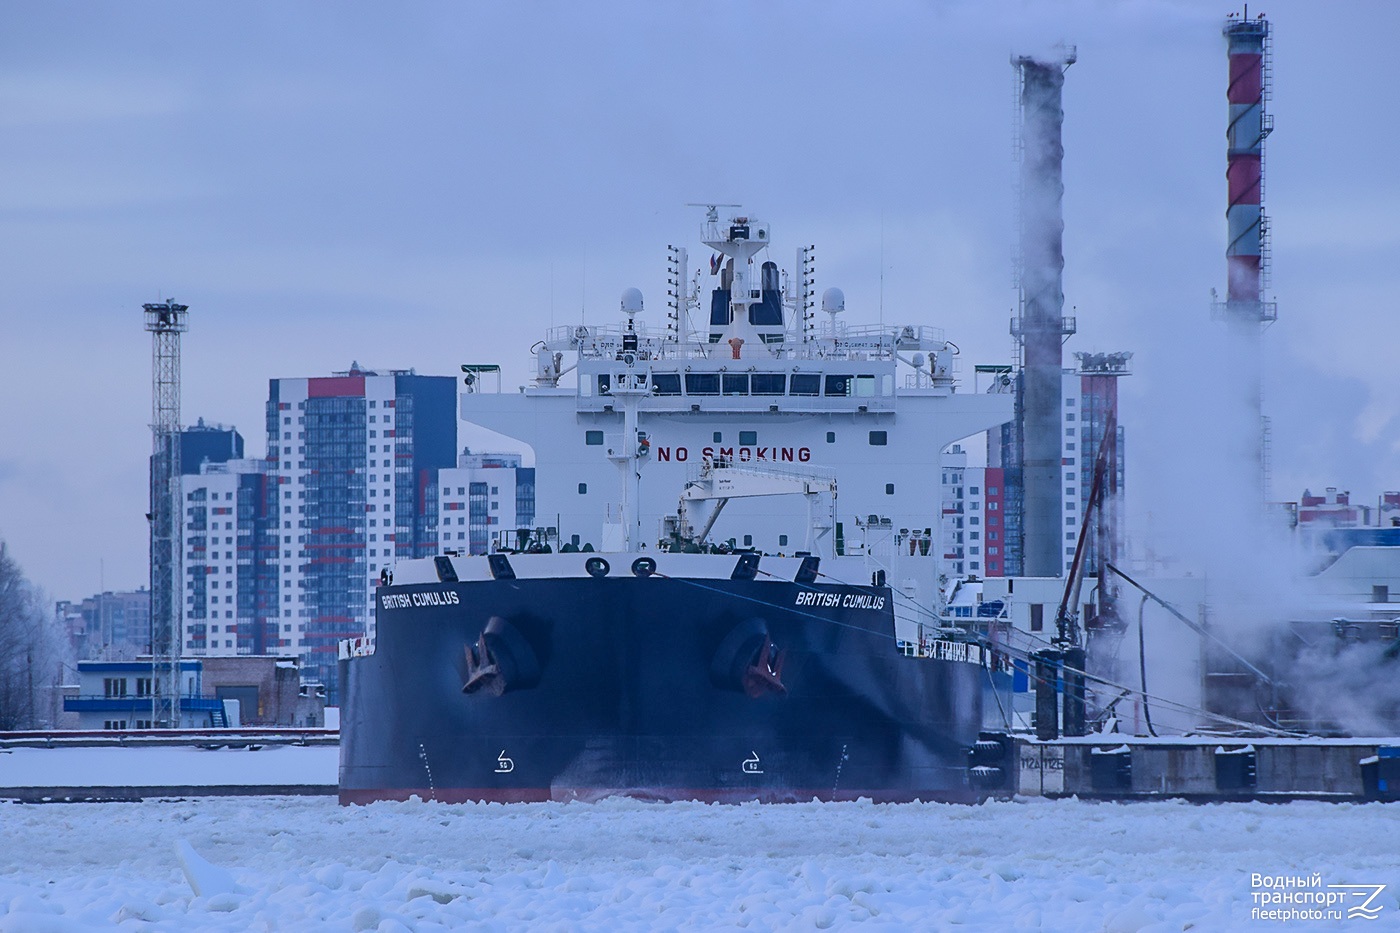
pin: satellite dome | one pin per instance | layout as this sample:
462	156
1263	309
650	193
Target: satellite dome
833	300
631	301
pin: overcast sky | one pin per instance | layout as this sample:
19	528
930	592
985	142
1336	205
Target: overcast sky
421	185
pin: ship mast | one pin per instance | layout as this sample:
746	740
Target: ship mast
629	387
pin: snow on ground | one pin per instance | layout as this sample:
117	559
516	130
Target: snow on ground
308	864
112	766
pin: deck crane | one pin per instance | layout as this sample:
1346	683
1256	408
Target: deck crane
717	480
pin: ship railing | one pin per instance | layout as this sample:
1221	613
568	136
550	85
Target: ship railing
605	340
702	470
763	403
910	336
360	647
942	649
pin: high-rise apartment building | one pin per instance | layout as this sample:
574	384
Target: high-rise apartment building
282	554
223	576
485	500
972	529
1090	409
108	626
227	578
352	464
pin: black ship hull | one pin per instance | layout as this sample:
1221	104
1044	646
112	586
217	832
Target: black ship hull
655	687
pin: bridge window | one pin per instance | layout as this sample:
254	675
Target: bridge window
604	384
736	383
769	383
666	383
702	383
839	386
806	384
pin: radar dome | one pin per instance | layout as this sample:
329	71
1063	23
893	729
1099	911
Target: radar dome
833	300
632	301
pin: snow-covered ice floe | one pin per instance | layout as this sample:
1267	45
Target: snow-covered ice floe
264	863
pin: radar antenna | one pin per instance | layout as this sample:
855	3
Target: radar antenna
711	210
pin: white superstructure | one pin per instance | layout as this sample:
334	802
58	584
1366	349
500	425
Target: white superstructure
758	379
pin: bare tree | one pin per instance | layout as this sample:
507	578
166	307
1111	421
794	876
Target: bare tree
31	651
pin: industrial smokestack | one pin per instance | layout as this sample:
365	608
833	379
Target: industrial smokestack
1041	327
1244	309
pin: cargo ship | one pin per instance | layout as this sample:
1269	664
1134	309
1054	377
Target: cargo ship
706	618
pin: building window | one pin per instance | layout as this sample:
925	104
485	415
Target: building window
878	439
1037	617
593	438
749	438
889	489
748	540
782	540
831	437
583	489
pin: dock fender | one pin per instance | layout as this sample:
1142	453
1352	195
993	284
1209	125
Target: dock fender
502	659
748	662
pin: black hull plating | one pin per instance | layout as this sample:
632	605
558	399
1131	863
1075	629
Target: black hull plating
647	687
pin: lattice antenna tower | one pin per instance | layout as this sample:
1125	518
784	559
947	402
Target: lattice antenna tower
166	321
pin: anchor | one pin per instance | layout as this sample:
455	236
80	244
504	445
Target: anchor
483	673
765	674
502	660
